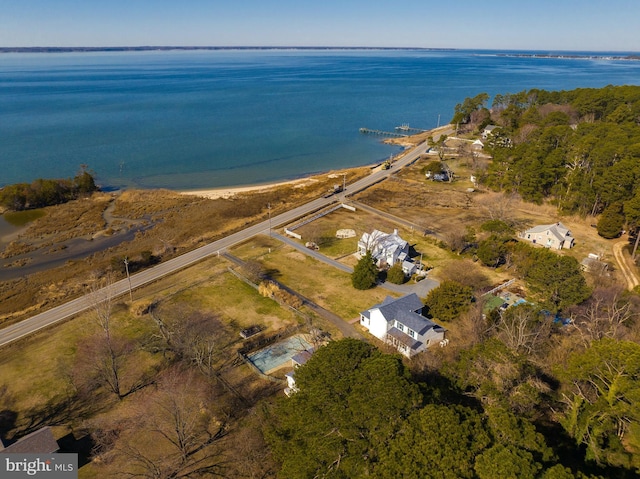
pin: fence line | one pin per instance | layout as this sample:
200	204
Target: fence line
497	288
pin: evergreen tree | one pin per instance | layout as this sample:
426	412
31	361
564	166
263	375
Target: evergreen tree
611	221
492	251
437	441
351	399
449	300
364	273
602	387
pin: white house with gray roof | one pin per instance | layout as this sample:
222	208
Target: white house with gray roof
400	322
555	236
386	249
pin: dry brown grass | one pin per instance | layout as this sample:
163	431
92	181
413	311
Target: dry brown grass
77	218
321	283
36	371
180	223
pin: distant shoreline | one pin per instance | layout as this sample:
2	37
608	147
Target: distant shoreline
189	48
165	48
231	191
569	56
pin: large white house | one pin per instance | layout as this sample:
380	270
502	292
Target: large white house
400	322
386	249
555	236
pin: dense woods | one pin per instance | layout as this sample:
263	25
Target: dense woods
579	149
360	412
46	192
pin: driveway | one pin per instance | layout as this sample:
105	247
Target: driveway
625	268
421	288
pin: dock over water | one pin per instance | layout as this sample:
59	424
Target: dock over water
369	131
408	129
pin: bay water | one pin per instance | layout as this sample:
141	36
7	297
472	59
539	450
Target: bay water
205	119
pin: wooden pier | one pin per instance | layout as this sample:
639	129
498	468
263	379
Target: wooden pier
369	131
408	129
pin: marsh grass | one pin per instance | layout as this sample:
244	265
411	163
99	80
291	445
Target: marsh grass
179	223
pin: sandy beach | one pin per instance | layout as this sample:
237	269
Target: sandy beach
229	192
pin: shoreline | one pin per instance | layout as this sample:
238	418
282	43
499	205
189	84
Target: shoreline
229	192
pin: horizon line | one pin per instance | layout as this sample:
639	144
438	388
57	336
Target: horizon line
64	49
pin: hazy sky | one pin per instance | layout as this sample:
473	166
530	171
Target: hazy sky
495	24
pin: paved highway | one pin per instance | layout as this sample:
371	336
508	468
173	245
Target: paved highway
59	313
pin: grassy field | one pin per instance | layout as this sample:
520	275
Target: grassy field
37	374
323	284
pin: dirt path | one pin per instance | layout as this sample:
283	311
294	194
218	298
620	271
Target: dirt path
626	268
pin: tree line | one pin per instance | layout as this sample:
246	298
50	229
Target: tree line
360	412
579	149
47	192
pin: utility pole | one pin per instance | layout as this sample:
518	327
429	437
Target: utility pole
344	182
126	267
269	208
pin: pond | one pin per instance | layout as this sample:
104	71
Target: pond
12	222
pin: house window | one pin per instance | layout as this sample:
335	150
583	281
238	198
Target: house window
400	326
413	334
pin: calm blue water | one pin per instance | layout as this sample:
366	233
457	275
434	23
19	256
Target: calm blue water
216	118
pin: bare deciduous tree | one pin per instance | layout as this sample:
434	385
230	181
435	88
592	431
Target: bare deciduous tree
99	362
468	273
473	326
101	298
521	329
605	315
101	358
107	352
500	207
176	435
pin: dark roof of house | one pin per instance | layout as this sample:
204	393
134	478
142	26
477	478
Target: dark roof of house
404	338
390	307
414	321
38	442
303	356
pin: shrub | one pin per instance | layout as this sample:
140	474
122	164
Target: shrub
395	274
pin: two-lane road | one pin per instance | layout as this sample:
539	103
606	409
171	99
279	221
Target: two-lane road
59	313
